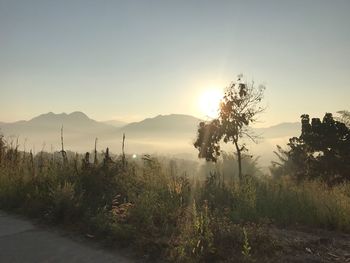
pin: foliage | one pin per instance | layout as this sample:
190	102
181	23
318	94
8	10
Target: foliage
239	108
321	151
344	117
152	205
246	247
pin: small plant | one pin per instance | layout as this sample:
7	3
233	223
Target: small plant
246	246
64	205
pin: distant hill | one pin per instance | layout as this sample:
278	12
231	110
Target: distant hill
115	123
172	134
76	122
45	129
280	130
80	131
163	125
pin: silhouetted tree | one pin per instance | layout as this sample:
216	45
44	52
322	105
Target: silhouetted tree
239	107
344	117
321	151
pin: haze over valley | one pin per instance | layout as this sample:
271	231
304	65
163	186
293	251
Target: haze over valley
172	134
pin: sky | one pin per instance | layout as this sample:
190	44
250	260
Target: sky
129	60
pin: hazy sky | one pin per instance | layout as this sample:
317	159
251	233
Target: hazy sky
135	59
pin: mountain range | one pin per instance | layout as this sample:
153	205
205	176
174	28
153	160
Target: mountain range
172	133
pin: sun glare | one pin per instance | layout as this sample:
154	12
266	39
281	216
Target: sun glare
209	103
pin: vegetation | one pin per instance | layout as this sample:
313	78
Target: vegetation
239	108
322	151
344	117
153	205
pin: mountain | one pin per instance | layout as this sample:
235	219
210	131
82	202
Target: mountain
172	134
159	126
164	133
163	126
280	130
115	123
76	122
78	129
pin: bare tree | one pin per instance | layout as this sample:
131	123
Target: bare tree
95	153
63	152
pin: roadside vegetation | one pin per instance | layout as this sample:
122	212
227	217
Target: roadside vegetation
155	206
222	210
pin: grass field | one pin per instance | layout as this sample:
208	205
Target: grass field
168	208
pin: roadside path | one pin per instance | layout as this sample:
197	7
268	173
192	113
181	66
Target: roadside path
21	241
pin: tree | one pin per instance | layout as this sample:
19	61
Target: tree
239	108
321	151
344	117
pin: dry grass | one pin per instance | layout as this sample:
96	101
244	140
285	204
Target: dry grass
154	207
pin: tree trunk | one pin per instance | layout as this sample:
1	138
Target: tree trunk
239	160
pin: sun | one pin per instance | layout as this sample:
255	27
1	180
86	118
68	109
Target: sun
209	102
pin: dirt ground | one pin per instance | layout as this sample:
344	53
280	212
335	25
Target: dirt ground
310	245
21	241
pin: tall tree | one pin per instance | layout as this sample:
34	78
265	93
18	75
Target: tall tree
239	107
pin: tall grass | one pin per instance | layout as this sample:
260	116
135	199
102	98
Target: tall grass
156	206
310	203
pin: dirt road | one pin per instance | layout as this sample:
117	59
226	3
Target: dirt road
21	241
